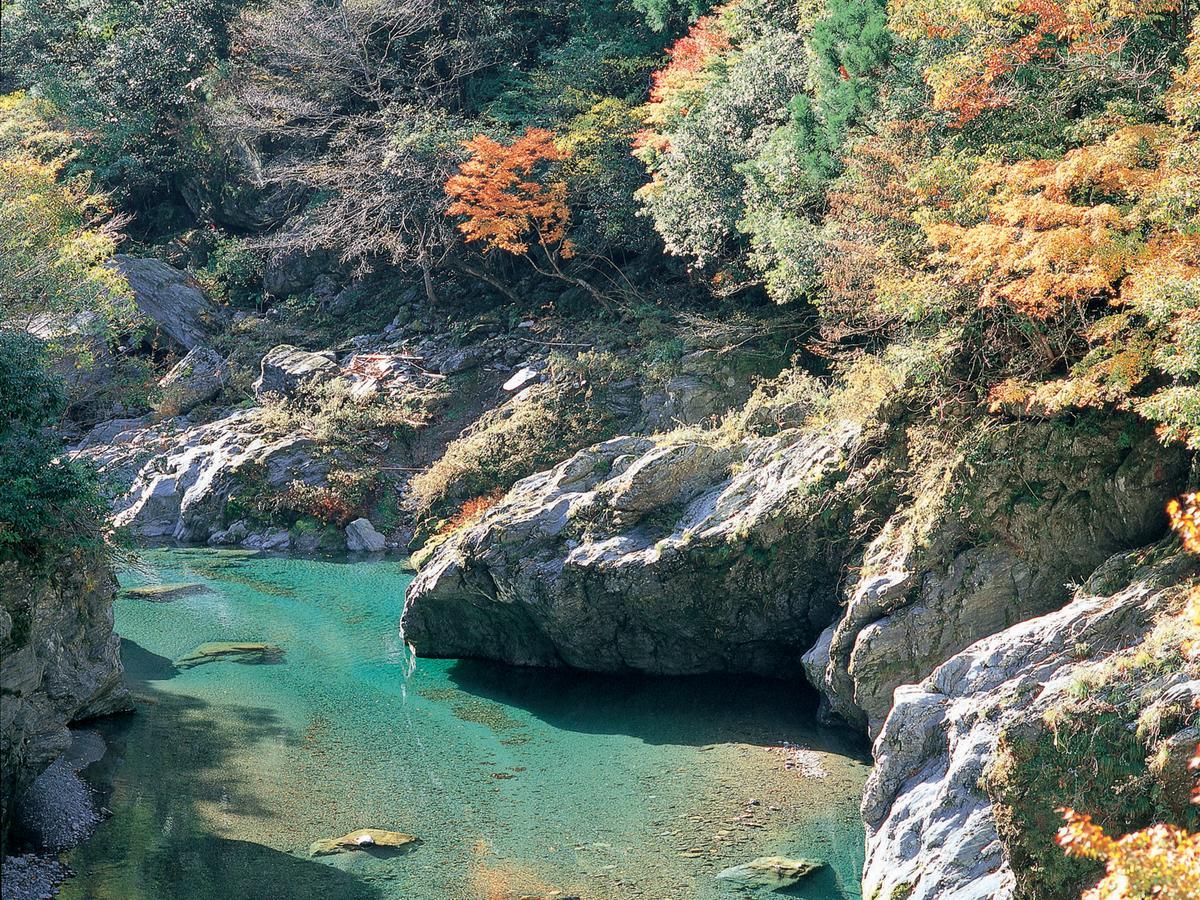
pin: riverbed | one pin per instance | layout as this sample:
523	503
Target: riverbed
516	782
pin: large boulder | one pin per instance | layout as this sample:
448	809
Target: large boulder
172	299
287	369
195	379
654	556
186	475
290	271
994	535
936	805
59	663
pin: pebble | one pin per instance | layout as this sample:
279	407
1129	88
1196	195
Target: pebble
57	813
32	877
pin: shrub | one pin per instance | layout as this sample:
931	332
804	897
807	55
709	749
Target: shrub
571	411
47	503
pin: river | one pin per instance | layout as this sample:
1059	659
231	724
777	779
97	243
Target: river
517	782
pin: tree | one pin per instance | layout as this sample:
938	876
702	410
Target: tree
993	56
128	76
507	202
712	111
56	234
852	45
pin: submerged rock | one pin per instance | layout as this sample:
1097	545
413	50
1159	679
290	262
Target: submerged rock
363	839
164	593
362	536
231	651
770	872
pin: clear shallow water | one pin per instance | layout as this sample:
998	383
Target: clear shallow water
517	782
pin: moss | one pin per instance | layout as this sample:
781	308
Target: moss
1097	748
582	404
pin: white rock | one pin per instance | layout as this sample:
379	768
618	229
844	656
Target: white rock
362	536
521	378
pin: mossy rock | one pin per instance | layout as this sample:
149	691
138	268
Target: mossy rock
774	872
231	651
364	839
164	593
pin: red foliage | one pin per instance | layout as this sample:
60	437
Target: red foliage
688	56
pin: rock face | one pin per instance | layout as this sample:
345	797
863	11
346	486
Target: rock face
993	539
634	555
361	536
173	300
195	379
184	475
59	664
285	369
932	830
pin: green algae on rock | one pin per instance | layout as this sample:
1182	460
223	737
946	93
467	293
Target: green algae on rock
163	593
231	651
770	871
363	839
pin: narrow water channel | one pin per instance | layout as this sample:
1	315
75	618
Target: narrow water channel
516	782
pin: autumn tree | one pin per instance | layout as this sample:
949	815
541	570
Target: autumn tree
989	56
1099	247
508	201
56	233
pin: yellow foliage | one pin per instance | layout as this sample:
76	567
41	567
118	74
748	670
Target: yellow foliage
1161	861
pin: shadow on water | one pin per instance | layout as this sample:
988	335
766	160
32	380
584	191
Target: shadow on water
694	710
165	763
141	665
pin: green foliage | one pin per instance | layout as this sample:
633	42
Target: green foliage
126	72
233	271
47	504
851	44
602	178
662	13
54	244
698	194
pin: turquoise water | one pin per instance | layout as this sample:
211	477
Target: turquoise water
517	782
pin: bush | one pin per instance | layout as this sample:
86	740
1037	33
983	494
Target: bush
47	504
571	411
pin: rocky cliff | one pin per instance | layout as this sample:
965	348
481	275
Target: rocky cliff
918	575
974	760
59	663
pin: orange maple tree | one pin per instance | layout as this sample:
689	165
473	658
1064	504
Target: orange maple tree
1000	39
503	202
